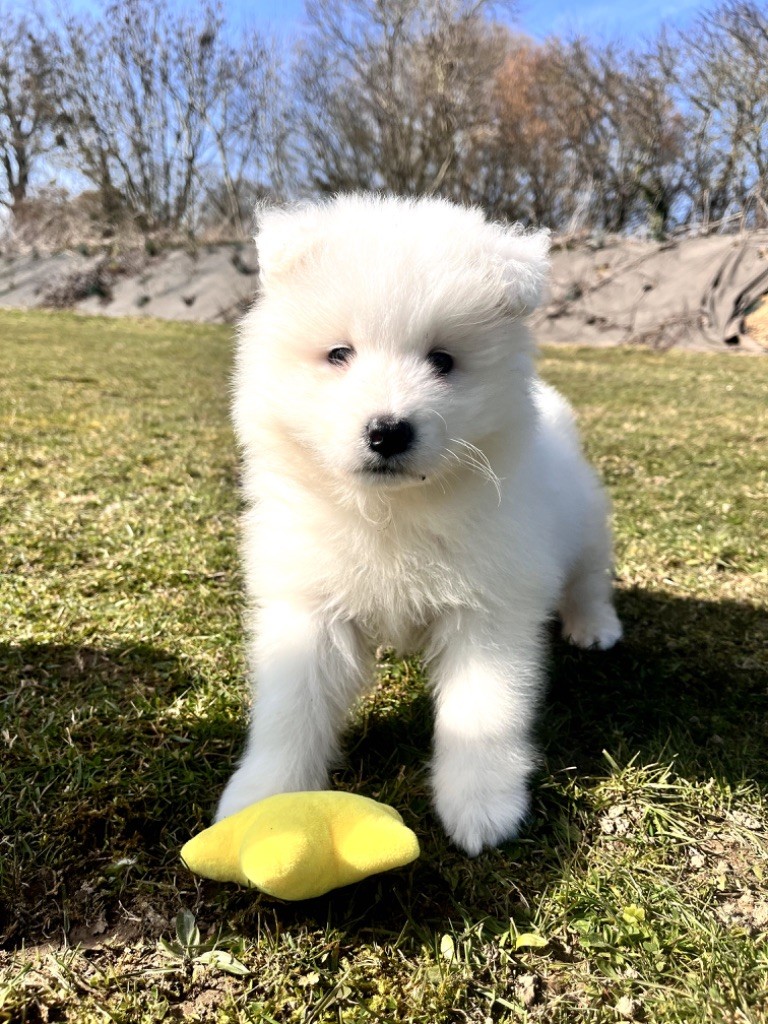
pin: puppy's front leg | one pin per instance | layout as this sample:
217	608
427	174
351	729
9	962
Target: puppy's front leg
307	670
486	678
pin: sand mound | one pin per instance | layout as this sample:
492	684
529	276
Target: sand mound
702	293
691	293
214	284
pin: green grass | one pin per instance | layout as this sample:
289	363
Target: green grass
637	891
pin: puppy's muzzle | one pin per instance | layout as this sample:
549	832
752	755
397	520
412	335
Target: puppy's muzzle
389	437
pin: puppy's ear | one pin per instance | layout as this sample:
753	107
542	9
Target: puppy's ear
286	238
524	265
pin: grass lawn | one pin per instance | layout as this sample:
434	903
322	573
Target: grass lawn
638	890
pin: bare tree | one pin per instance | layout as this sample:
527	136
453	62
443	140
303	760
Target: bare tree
131	82
161	106
392	94
621	130
529	176
719	69
173	120
247	127
654	135
28	112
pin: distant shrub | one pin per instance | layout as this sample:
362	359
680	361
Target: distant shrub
80	284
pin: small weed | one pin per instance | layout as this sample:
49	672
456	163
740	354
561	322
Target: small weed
188	950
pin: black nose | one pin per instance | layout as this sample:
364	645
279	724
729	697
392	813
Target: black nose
388	436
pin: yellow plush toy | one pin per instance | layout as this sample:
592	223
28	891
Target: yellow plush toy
299	845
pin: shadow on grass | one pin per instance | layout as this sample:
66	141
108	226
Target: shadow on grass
689	681
689	684
101	776
107	765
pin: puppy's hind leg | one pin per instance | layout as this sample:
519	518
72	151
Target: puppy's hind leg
586	607
307	673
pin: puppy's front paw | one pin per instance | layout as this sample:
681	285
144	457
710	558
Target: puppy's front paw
598	628
483	819
243	789
255	781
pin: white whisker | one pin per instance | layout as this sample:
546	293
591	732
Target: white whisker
476	459
439	415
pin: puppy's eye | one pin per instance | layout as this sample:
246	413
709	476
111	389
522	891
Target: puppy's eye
341	355
442	362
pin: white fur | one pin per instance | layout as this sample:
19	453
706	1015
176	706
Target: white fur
495	522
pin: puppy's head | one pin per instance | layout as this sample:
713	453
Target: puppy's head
388	338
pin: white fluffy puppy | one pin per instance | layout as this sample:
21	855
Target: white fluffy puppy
409	482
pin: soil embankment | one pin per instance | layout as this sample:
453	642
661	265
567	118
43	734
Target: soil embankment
701	293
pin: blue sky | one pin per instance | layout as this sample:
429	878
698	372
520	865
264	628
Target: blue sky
631	20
